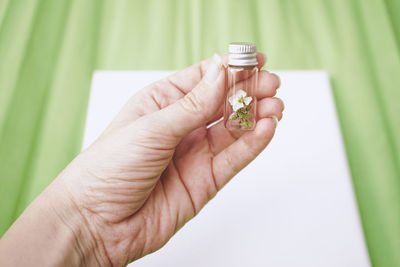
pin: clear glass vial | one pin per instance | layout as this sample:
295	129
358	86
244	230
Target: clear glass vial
241	103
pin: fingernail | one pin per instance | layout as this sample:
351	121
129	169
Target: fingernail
275	119
280	101
213	69
279	80
264	57
217	59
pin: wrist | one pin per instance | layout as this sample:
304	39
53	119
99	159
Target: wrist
51	232
87	245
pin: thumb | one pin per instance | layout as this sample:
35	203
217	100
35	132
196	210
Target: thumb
198	106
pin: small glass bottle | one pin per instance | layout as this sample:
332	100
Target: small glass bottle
241	103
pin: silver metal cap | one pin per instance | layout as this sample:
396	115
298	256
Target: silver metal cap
242	54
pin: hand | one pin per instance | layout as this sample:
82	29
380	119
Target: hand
157	164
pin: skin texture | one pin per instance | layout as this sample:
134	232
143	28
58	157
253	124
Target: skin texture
152	170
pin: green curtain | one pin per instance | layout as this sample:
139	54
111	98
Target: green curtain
49	49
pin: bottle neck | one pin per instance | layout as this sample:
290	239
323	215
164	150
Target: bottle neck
242	59
242	66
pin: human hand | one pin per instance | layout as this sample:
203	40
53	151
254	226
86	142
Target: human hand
157	164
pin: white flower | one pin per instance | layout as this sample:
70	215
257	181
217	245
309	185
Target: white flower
238	100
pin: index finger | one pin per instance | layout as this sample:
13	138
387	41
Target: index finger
188	78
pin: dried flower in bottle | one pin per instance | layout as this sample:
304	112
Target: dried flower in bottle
240	103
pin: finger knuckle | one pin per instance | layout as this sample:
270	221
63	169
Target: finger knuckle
230	163
192	103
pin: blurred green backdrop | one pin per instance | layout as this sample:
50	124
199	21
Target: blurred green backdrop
49	49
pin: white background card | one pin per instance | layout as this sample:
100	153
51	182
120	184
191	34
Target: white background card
293	206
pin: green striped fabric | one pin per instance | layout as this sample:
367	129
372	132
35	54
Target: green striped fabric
49	49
